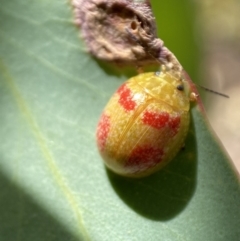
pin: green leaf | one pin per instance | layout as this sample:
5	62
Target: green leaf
53	183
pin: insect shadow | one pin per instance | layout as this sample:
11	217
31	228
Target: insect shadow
165	194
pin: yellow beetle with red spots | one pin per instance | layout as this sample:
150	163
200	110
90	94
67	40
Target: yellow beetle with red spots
145	123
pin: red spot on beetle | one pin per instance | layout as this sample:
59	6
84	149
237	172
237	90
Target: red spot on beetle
156	120
143	157
102	131
161	120
126	98
174	124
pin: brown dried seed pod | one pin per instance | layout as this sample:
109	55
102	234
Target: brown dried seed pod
120	31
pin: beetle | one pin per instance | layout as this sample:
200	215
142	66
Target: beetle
145	123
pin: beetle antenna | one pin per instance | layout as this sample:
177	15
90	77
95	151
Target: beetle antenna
213	91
